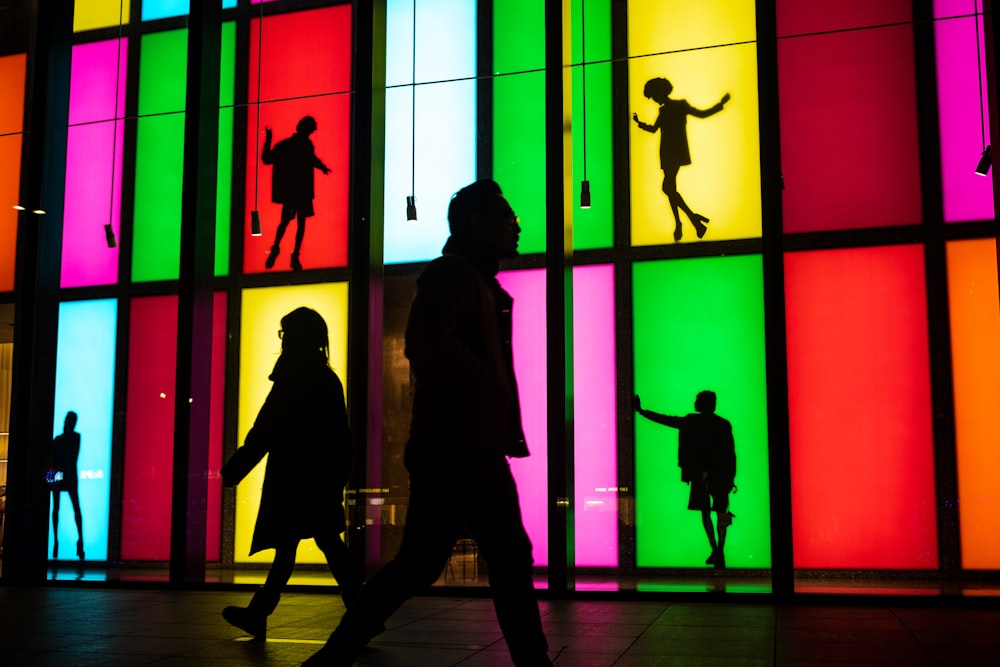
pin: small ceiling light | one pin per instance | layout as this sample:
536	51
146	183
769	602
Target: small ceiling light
109	236
39	211
585	194
983	168
411	208
18	207
255	229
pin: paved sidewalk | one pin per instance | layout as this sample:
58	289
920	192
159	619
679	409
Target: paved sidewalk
121	627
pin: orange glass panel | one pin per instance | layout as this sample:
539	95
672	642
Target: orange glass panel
12	72
975	334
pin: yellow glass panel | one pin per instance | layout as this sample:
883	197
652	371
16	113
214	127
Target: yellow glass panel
94	14
262	311
704	50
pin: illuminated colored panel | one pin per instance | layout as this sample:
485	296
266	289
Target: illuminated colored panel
95	144
722	181
975	331
519	114
963	115
12	79
443	158
699	325
85	384
592	123
149	429
595	421
847	101
93	14
224	185
262	310
161	9
531	473
862	451
159	162
322	38
213	503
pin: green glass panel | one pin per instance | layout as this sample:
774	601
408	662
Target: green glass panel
699	324
159	168
224	185
163	72
519	114
592	123
159	163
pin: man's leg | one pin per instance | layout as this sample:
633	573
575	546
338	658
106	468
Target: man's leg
300	233
428	540
494	516
338	558
287	213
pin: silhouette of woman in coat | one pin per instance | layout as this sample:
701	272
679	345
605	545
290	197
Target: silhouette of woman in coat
65	452
292	183
671	121
303	429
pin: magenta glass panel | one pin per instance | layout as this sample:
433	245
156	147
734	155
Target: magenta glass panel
596	470
94	163
595	418
531	474
213	527
963	114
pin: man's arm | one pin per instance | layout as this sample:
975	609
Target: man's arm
665	420
711	111
643	126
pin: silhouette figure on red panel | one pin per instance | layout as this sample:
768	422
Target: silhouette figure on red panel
303	429
671	121
706	455
292	183
466	422
63	476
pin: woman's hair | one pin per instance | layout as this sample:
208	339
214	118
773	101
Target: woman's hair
304	331
658	87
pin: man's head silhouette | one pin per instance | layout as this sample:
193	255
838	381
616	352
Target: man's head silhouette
306	126
705	402
658	89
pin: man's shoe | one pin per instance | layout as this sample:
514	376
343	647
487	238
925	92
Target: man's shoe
296	266
249	621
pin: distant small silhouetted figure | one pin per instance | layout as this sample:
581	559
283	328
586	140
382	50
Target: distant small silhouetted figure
303	429
292	183
706	455
671	121
64	477
466	421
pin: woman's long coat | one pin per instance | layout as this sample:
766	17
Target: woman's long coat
303	429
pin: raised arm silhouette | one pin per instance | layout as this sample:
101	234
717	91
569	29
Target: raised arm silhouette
706	455
292	183
671	122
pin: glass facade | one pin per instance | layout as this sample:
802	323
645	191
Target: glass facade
736	156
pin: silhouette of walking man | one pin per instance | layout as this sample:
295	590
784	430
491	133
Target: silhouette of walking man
303	429
292	183
706	455
64	477
671	121
466	421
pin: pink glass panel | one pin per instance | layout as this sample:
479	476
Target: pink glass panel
94	163
596	441
963	114
531	474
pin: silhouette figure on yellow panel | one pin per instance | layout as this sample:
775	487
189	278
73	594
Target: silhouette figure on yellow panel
303	429
292	183
62	476
706	454
671	121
